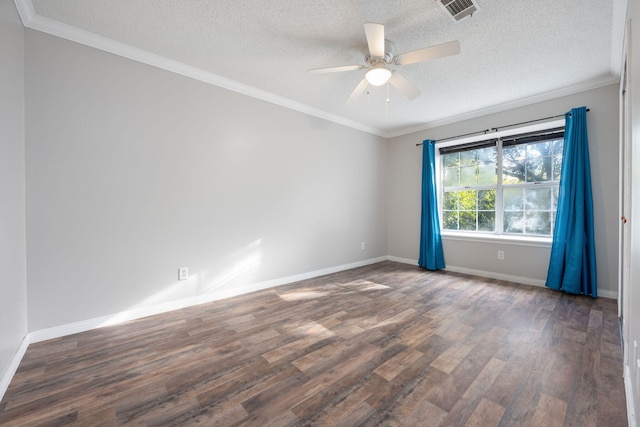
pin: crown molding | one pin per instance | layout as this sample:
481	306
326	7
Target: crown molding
523	102
25	10
36	22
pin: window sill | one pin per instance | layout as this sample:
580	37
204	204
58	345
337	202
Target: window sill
543	242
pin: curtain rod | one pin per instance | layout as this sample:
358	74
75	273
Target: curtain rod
498	128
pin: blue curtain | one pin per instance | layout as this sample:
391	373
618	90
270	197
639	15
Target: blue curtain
431	255
572	267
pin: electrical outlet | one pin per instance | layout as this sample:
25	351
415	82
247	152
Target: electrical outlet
362	245
501	255
183	273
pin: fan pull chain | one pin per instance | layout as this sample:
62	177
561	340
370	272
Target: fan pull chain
386	103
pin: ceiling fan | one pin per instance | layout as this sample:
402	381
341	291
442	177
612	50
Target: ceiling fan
381	59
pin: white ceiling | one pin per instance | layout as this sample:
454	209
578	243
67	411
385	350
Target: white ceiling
512	51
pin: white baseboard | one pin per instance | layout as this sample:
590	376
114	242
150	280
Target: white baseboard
85	325
13	366
403	260
137	313
499	276
631	410
518	279
608	294
479	273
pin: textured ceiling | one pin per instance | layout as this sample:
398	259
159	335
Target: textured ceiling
511	50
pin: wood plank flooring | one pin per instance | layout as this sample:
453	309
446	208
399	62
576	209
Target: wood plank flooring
387	344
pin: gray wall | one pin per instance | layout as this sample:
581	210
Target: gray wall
524	261
133	172
632	300
13	283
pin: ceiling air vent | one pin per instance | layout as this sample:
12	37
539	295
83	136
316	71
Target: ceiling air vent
459	9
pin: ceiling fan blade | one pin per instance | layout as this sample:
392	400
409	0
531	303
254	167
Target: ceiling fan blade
335	69
362	86
375	39
407	88
438	51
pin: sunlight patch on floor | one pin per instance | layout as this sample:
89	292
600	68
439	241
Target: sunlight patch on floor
365	285
314	329
302	295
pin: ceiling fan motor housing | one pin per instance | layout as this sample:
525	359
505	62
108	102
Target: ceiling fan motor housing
389	53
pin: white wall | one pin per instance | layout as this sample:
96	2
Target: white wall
528	263
13	286
133	172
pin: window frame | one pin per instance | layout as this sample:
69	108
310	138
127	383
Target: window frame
530	240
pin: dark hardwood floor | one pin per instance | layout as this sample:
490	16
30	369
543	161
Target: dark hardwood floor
387	344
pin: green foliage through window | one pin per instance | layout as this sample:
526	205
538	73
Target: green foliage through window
527	180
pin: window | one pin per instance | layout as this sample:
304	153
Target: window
507	185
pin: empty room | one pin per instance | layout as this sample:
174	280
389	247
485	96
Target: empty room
342	213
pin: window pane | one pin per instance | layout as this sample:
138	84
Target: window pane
538	223
512	199
487	174
468	200
557	166
538	198
451	160
513	167
487	161
469	210
468	175
558	146
486	221
539	161
487	200
468	158
450	220
487	155
513	222
451	177
450	201
468	220
538	169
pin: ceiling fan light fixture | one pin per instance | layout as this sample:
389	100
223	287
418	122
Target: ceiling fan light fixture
378	76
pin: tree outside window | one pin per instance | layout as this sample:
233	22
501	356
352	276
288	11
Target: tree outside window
526	178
